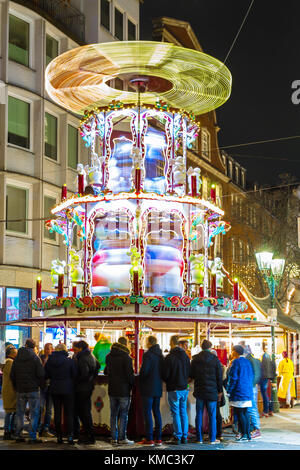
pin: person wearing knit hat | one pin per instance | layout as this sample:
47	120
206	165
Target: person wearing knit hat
240	390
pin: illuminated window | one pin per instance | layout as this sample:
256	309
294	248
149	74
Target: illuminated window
18	122
205	144
51	49
105	14
49	203
131	31
16	209
72	147
118	24
18	47
50	136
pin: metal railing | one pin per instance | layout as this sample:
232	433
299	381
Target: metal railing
61	14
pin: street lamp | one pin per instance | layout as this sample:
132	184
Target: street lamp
272	271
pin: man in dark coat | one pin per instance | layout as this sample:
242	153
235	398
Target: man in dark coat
268	373
61	370
87	371
120	383
206	370
176	372
27	376
150	379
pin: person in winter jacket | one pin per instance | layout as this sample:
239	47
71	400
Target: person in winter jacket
101	349
253	411
286	389
240	390
150	379
46	404
61	371
9	396
120	383
268	373
176	372
206	371
87	371
27	376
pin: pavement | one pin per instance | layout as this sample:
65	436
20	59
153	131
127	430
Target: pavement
279	432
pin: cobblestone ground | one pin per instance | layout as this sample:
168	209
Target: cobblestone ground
280	432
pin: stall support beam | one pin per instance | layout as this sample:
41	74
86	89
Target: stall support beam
136	345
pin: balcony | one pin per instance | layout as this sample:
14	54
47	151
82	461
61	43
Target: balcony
61	14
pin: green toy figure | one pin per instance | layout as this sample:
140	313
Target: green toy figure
101	349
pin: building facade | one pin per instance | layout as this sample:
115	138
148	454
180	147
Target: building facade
39	145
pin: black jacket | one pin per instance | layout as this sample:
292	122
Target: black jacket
61	370
27	373
87	371
268	367
206	370
176	370
256	366
119	371
150	377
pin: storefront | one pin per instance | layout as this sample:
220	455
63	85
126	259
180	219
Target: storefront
14	306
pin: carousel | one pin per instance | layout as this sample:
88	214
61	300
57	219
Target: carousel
146	234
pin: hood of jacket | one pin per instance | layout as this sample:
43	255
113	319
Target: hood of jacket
155	350
179	352
25	354
118	349
205	357
57	358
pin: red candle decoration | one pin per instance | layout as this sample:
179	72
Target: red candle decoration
213	285
194	185
60	291
74	290
135	283
201	291
38	288
81	184
236	289
64	191
137	180
213	193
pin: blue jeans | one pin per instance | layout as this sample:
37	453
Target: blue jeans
268	404
45	405
211	407
178	405
253	411
151	404
9	422
33	400
119	408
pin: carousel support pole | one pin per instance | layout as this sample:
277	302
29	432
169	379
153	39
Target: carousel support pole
65	331
136	345
196	333
230	338
205	287
78	327
208	331
85	259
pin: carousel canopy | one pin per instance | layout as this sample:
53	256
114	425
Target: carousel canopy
80	79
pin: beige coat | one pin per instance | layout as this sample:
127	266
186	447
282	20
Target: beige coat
9	396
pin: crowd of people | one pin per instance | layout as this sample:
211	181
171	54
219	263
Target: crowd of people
55	380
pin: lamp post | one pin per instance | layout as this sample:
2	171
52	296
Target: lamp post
272	271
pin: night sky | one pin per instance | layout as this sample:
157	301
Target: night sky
264	62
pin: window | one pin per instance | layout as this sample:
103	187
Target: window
16	209
72	147
118	24
49	202
18	122
50	136
51	49
105	13
205	144
18	47
131	31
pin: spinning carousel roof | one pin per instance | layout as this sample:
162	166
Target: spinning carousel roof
185	79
